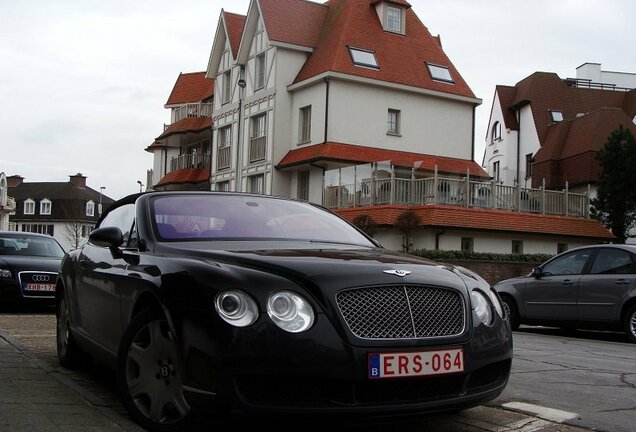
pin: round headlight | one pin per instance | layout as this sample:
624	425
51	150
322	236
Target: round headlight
236	308
290	311
481	306
494	298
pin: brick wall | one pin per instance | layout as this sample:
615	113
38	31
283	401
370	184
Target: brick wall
495	271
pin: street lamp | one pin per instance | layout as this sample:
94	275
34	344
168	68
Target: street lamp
101	191
141	185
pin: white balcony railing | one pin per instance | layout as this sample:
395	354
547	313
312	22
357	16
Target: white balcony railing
223	158
257	148
190	161
458	192
200	109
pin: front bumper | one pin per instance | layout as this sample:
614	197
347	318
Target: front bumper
262	368
11	290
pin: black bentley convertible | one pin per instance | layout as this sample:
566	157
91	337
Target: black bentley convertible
234	301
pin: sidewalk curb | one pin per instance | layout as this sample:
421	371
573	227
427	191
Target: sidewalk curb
89	397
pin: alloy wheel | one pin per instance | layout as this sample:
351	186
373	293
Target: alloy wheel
153	375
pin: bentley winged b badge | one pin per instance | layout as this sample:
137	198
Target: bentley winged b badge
400	273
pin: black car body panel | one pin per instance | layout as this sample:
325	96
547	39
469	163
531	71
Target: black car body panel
28	270
261	366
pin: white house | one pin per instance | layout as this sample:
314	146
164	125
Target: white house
548	128
7	203
352	104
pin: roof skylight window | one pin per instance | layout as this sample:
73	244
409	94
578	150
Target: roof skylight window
362	57
440	73
557	116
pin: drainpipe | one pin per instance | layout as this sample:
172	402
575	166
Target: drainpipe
239	144
518	160
326	80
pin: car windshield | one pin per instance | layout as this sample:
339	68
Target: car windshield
22	245
235	217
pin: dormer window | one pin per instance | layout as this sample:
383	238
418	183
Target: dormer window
45	207
394	19
364	58
90	208
29	207
556	116
440	73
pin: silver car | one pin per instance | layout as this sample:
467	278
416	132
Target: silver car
591	287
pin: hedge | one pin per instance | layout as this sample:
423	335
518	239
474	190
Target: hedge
480	256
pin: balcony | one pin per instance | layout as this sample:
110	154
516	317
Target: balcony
190	161
257	148
192	110
457	192
223	158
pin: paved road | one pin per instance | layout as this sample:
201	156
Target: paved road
32	335
592	374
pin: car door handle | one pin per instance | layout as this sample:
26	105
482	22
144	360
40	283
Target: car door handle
621	282
567	282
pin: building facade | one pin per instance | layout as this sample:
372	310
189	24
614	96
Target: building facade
7	203
545	131
351	104
67	211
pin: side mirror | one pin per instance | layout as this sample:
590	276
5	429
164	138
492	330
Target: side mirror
536	272
110	237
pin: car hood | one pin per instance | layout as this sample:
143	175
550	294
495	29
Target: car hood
336	267
19	263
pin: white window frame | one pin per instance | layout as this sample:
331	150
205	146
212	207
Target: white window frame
440	73
363	58
302	185
29	207
90	208
253	184
389	23
260	65
393	126
556	116
227	88
45	206
496	132
496	170
304	127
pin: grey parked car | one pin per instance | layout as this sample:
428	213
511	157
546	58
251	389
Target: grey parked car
590	287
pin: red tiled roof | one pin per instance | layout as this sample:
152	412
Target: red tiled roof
191	87
361	154
188	124
402	58
506	98
484	219
234	24
185	176
545	91
153	146
297	22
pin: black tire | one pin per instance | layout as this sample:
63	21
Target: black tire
512	312
69	354
630	324
149	374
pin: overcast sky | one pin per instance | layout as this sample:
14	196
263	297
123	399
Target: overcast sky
83	83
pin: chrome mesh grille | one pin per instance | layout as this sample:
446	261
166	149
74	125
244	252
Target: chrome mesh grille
402	312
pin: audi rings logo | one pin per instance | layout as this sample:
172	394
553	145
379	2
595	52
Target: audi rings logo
40	278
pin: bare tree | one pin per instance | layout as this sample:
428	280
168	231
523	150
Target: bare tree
407	223
73	212
366	223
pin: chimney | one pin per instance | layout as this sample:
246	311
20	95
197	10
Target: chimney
78	180
14	180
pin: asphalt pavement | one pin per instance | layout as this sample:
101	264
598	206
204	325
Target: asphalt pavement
38	395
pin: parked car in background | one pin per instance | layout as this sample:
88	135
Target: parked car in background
29	264
260	303
592	287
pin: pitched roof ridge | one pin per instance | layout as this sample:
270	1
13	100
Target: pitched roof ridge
234	14
191	73
340	31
